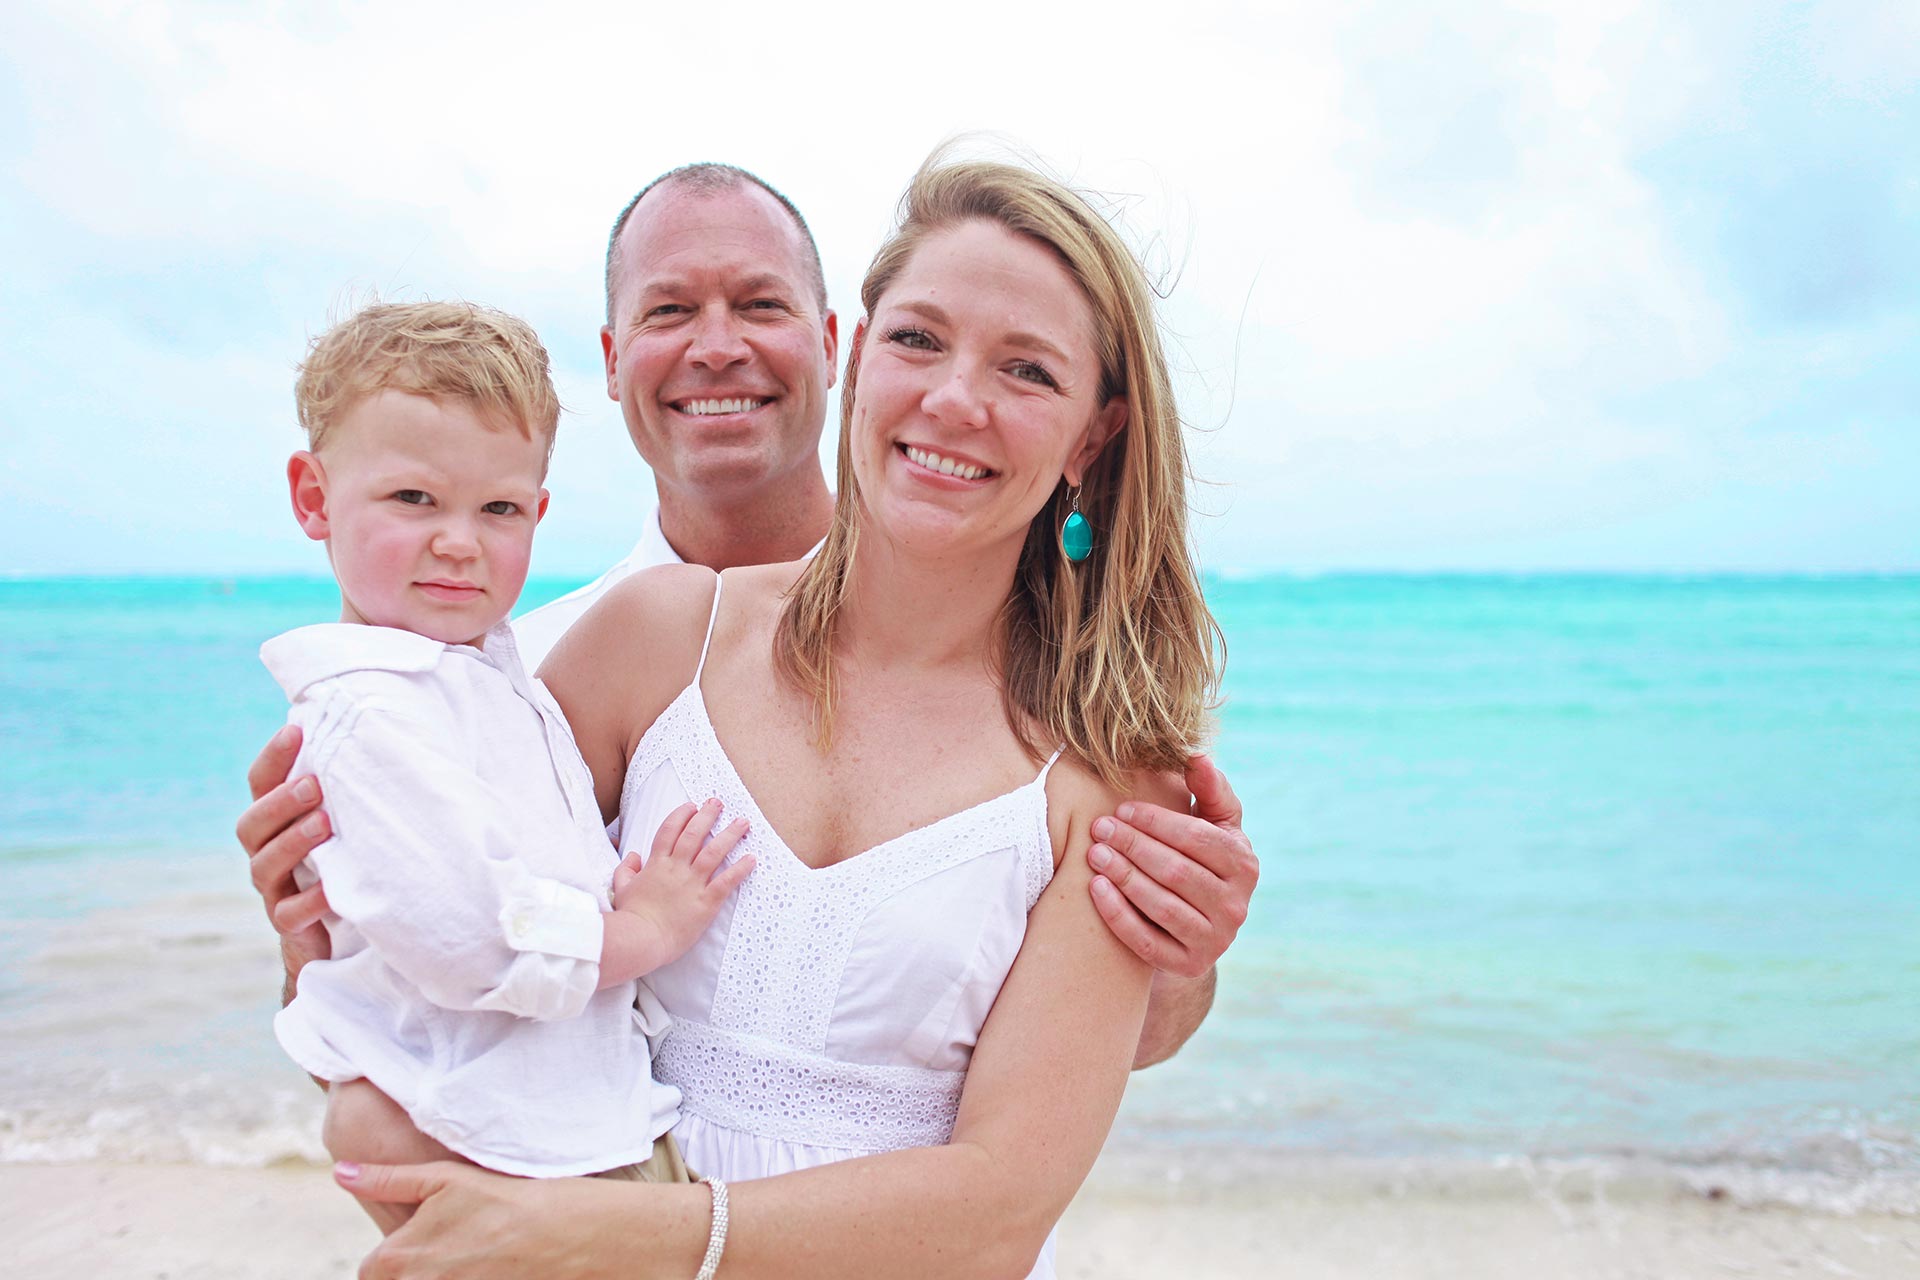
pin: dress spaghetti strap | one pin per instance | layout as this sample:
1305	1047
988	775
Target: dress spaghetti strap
711	617
1047	768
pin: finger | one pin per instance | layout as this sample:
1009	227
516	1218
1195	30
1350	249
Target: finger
731	878
624	872
275	761
670	828
1174	915
696	831
395	1183
275	811
299	911
724	842
1138	935
1217	849
1213	797
272	867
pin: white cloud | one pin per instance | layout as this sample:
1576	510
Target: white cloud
1422	276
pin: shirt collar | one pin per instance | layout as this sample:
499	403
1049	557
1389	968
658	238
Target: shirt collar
307	655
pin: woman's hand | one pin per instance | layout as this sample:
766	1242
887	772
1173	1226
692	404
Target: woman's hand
470	1223
477	1225
279	829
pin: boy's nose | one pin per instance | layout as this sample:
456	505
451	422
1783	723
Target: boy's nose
456	541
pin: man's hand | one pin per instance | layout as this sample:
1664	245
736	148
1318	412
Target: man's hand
1175	886
279	829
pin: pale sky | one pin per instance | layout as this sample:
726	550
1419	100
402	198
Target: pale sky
1486	286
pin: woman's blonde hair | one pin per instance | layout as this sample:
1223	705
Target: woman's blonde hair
1117	657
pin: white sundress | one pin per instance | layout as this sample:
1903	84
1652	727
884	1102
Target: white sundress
829	1013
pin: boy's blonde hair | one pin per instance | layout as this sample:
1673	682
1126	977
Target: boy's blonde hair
488	358
1117	657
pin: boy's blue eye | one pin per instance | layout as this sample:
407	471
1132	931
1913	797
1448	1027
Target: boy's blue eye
412	497
502	508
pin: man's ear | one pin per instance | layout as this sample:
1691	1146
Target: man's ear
610	356
1109	422
307	486
830	325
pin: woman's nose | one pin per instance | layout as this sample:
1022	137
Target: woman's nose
956	400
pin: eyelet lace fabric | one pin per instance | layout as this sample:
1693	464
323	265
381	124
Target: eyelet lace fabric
757	1059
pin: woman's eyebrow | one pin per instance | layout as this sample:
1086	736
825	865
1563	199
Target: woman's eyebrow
1017	339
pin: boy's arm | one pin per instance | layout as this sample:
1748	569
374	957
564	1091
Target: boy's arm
423	863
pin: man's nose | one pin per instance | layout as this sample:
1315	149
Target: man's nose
719	339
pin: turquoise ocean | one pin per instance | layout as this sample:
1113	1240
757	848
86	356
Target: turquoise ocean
1613	870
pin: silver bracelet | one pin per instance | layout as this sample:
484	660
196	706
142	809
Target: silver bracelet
717	1234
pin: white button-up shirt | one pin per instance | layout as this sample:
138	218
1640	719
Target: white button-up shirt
468	868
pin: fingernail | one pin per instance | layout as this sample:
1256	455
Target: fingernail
316	826
284	738
1103	828
1099	856
1102	886
1125	812
346	1169
306	791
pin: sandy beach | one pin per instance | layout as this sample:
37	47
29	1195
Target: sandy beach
289	1223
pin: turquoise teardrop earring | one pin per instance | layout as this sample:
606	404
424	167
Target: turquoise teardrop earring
1076	535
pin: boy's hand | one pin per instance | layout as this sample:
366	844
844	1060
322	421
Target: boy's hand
676	894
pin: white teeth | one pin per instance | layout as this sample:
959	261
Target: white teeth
704	408
944	465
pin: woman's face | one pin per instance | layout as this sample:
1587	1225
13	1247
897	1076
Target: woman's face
978	389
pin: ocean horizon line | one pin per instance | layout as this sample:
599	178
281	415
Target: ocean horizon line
1224	574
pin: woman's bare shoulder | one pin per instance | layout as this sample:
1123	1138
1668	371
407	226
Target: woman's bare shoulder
640	639
1077	797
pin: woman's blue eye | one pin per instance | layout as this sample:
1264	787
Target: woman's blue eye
1034	373
917	339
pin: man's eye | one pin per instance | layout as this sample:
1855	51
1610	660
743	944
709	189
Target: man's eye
767	304
666	309
502	508
412	497
917	339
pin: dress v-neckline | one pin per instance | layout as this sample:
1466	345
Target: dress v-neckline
757	817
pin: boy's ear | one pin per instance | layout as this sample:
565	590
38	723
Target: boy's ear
540	512
307	486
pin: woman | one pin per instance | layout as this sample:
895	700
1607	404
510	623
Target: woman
910	1031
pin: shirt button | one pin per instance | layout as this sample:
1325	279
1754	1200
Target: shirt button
522	925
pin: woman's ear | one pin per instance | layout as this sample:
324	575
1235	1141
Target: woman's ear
1109	422
307	486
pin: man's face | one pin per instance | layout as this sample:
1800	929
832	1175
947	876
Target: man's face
718	351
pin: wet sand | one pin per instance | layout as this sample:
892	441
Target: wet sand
146	1222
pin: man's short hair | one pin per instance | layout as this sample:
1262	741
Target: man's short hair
456	350
709	178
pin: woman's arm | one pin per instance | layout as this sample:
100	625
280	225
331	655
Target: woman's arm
1045	1082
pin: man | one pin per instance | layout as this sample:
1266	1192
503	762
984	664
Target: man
720	349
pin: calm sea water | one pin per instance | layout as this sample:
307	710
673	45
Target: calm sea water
1574	867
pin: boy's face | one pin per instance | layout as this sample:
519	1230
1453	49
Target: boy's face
428	514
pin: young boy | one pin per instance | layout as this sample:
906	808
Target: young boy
480	999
